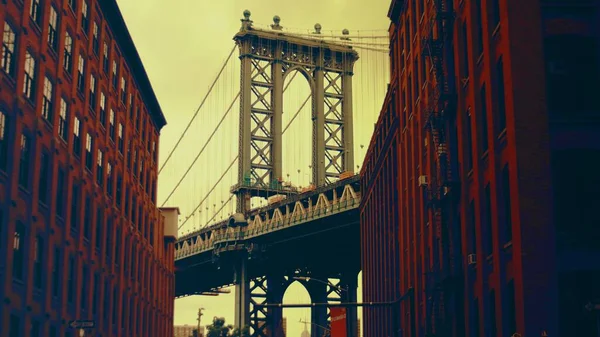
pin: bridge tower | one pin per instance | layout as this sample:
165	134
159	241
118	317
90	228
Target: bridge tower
267	57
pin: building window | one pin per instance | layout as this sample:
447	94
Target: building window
469	141
87	217
105	60
19	251
61	192
9	41
483	124
95	292
71	280
109	178
3	141
92	92
99	226
510	308
47	100
15	326
35	328
43	186
68	57
24	161
505	183
63	119
81	74
102	109
134	163
95	39
38	254
120	145
106	304
89	144
501	115
111	127
472	231
154	151
73	5
29	82
76	137
489	243
123	90
84	286
492	313
53	29
35	11
478	21
99	171
118	193
109	248
85	21
114	305
115	78
495	17
75	202
56	272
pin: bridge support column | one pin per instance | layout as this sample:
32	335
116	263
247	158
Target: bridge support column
275	291
277	103
319	124
348	120
350	284
318	294
242	294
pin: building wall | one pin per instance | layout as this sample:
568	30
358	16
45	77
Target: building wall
78	242
517	132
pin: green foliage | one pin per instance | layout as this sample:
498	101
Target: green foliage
219	329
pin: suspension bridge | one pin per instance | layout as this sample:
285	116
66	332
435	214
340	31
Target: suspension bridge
269	193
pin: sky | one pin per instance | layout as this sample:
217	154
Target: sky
183	44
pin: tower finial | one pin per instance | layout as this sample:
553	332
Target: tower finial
246	22
275	25
317	28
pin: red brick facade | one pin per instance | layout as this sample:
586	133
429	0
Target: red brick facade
80	234
516	247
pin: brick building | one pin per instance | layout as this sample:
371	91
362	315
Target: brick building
479	184
80	234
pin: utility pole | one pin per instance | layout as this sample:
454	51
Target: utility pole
200	314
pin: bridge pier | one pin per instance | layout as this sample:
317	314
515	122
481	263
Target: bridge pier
318	316
350	284
242	294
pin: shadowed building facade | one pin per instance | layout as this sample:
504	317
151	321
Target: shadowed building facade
478	189
80	234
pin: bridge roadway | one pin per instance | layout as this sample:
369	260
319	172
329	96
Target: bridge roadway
311	233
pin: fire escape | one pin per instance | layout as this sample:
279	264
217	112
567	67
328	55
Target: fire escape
437	47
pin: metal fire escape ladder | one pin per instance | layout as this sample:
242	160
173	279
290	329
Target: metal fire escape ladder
437	35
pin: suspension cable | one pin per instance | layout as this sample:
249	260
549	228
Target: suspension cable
219	211
209	192
197	110
296	114
202	150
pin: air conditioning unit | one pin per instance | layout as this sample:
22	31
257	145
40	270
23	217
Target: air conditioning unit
471	259
446	190
423	181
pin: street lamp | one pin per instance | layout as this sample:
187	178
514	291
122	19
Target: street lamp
395	305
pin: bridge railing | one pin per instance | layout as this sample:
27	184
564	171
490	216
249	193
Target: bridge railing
232	236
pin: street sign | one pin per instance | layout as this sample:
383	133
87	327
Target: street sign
81	324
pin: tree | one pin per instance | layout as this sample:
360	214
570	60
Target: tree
219	329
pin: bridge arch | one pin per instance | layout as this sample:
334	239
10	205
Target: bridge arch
298	127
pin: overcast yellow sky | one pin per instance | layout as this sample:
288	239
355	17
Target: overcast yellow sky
183	43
